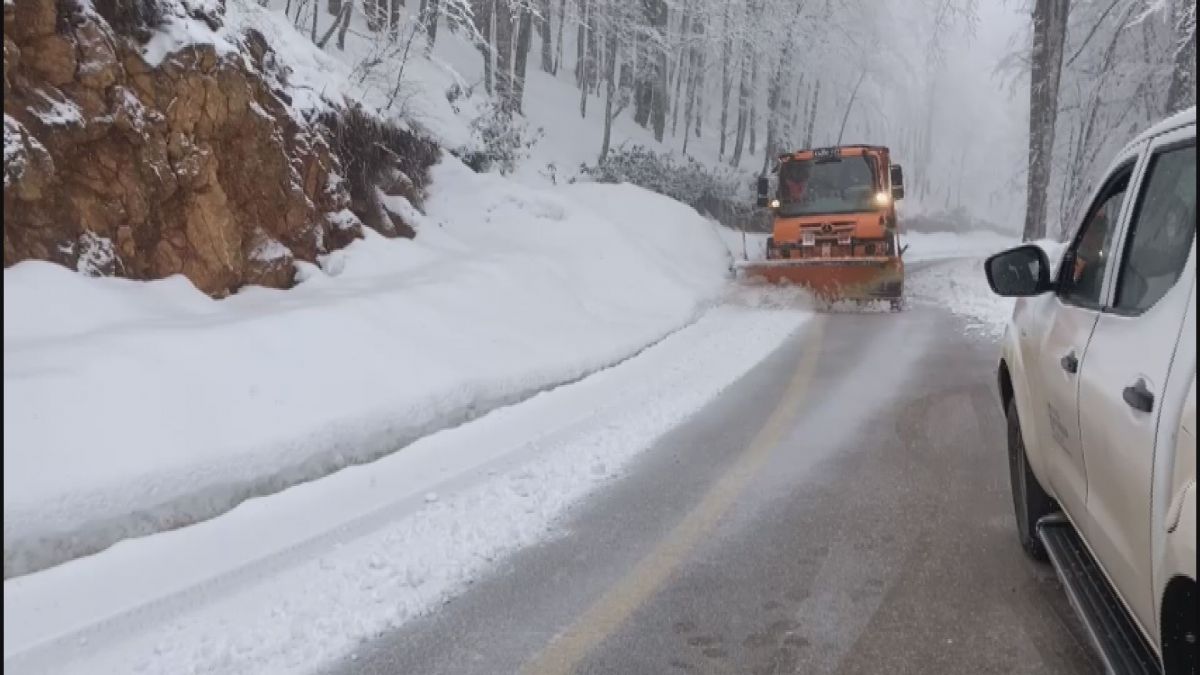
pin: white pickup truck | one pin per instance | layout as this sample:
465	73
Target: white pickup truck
1097	376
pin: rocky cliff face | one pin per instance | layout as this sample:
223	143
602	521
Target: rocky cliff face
196	166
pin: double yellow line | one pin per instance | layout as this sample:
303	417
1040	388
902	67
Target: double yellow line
606	615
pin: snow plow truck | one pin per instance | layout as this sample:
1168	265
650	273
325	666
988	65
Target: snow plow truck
834	227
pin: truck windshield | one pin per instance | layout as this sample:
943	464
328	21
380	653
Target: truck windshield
811	188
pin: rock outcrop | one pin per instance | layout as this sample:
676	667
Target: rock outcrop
195	166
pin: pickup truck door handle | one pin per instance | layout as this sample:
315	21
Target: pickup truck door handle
1070	363
1139	397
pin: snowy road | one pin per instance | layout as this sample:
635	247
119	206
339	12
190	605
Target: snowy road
842	508
835	505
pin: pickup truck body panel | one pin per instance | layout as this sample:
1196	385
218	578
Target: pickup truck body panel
1126	479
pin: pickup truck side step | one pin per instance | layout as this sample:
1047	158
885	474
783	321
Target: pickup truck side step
1111	629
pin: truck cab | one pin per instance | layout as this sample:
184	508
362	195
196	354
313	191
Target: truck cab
834	224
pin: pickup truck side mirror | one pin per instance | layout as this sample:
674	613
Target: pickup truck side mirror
1019	272
764	187
897	176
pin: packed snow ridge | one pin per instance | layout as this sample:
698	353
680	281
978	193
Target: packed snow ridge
136	407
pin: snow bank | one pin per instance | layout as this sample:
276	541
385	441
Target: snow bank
960	285
135	407
290	582
941	245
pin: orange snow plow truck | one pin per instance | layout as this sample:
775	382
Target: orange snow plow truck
834	224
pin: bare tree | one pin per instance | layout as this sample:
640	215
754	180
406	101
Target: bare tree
544	17
483	15
695	76
617	92
430	11
657	12
1049	38
1182	91
745	90
562	23
812	116
505	85
524	37
726	79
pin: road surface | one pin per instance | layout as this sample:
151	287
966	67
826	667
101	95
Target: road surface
843	508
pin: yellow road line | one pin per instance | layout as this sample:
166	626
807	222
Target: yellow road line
604	617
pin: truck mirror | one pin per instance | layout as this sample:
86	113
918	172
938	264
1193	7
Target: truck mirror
764	186
897	175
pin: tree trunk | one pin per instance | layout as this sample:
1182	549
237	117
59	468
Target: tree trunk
654	13
341	20
726	81
850	106
743	106
777	104
643	86
657	15
752	127
431	11
505	87
693	54
581	43
374	18
524	37
697	29
585	69
1049	36
679	68
546	36
797	106
698	80
812	116
593	62
482	15
610	86
562	24
1181	92
660	97
774	94
341	34
753	102
394	16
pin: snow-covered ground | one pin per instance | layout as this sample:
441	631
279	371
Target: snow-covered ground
372	404
287	582
923	246
134	407
960	285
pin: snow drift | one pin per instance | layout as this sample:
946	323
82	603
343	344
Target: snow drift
135	407
959	284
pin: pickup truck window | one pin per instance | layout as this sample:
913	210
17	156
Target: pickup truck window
1082	274
1161	231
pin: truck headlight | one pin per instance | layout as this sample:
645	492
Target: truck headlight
883	198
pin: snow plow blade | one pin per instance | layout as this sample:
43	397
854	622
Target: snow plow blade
834	279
